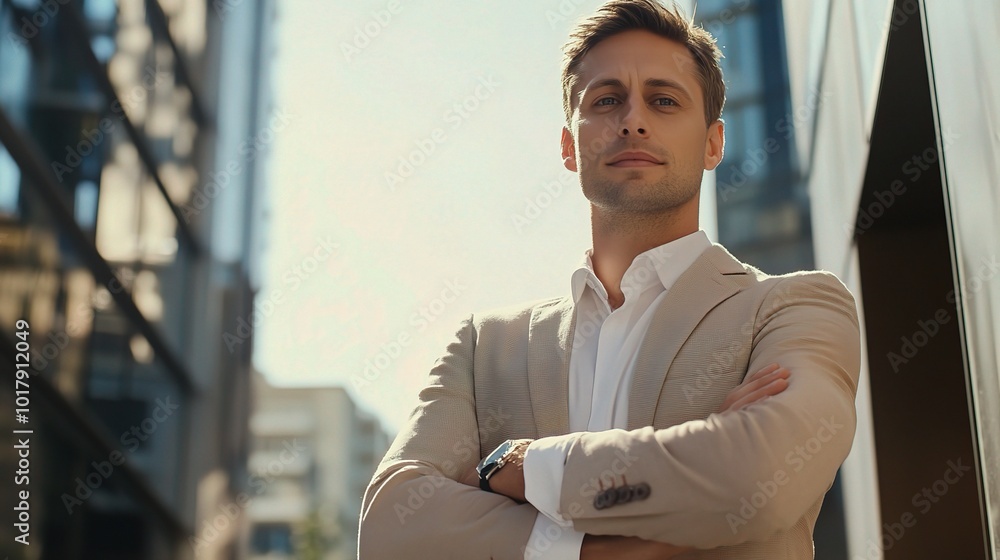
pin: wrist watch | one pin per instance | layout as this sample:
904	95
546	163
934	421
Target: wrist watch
492	463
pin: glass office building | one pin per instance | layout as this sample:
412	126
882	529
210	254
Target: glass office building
760	196
122	251
901	137
881	119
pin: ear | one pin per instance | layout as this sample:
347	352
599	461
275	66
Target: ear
715	145
568	149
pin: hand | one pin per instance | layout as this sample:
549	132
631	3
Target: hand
770	380
601	547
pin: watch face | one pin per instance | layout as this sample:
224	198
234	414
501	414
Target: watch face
491	460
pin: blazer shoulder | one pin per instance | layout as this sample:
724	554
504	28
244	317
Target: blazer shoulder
513	313
821	280
806	287
732	267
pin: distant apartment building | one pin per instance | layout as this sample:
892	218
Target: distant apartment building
313	453
130	243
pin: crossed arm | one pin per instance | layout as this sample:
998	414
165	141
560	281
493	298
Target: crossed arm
509	480
416	506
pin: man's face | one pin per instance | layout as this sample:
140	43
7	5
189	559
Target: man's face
638	91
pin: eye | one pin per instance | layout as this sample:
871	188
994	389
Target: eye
600	102
671	103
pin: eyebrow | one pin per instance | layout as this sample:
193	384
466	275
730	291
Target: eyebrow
649	83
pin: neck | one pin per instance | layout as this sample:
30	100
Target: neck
619	238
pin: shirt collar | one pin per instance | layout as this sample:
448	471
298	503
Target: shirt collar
668	261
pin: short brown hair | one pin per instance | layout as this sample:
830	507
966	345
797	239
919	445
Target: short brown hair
617	16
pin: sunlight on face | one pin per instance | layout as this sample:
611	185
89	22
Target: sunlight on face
639	92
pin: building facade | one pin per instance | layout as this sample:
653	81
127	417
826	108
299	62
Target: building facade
762	205
313	454
899	100
862	139
130	206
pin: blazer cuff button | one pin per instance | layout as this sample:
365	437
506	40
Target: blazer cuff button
641	491
605	499
624	494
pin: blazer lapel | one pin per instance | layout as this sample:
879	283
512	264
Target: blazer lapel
699	289
549	346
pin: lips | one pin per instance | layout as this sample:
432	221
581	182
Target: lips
634	159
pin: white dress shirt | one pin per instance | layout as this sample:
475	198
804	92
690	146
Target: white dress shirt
605	346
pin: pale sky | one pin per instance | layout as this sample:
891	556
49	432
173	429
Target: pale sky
447	227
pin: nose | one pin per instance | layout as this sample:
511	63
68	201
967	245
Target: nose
634	122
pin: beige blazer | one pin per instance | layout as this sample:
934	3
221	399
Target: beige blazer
745	484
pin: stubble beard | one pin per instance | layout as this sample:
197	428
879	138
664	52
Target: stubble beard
633	196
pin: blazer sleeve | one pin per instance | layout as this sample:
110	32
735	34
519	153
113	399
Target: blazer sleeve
414	507
744	475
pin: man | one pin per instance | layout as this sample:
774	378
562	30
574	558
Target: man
619	421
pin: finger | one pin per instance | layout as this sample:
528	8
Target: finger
763	380
761	372
750	394
768	374
771	389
